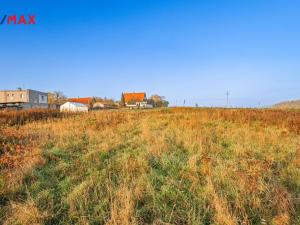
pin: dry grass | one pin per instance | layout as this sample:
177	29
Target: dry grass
12	117
171	166
24	214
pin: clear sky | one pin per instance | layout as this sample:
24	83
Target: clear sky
181	49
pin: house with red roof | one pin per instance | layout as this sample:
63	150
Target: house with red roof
88	101
135	100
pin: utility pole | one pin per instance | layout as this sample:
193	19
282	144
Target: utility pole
227	95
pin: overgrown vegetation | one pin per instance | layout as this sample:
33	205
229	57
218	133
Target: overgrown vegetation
169	166
13	117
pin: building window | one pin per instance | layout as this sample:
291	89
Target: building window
42	97
7	95
21	95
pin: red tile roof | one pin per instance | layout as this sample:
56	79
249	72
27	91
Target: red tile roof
139	97
85	101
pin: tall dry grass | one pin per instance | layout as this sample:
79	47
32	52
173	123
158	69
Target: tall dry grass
170	166
13	117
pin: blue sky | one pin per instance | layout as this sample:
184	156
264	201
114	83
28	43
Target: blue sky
184	50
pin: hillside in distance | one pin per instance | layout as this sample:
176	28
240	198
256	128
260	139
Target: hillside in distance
295	104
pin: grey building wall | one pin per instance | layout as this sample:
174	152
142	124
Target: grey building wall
37	97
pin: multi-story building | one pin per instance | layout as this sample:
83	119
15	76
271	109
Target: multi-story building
23	99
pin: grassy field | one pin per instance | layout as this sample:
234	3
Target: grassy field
169	166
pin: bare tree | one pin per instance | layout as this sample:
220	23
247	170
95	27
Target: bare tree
56	97
158	101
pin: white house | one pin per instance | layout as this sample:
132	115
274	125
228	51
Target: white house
73	107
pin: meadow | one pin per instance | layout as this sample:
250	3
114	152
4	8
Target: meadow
166	166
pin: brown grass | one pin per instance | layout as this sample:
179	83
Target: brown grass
170	166
13	117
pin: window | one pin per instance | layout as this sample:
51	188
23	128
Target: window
43	97
7	95
21	96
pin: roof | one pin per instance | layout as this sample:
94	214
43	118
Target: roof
23	90
85	101
141	96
